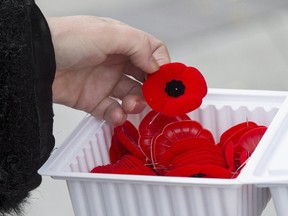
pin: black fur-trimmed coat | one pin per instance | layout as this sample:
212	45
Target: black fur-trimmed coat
27	67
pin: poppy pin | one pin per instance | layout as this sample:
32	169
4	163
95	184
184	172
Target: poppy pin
239	142
175	89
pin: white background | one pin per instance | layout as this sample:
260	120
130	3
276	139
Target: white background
235	44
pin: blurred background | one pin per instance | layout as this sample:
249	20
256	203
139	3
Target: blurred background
234	43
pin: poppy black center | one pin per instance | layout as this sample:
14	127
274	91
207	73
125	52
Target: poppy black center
199	175
175	88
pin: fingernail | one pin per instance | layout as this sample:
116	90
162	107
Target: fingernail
120	119
138	106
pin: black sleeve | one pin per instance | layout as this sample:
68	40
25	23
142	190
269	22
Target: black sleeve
27	69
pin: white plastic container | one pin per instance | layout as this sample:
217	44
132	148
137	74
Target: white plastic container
269	165
131	195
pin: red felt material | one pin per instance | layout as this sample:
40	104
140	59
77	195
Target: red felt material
128	164
207	171
235	132
246	144
229	155
117	149
250	139
151	125
160	101
239	142
202	153
128	136
228	133
103	169
176	131
182	148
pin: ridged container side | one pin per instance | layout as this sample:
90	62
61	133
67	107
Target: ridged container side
130	199
254	200
219	118
79	198
280	198
95	151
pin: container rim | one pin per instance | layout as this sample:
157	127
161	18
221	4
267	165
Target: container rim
62	156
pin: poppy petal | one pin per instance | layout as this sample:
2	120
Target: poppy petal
244	156
201	156
232	130
247	144
128	136
229	155
207	171
151	125
250	139
103	169
117	149
181	147
128	164
133	163
176	131
234	137
185	129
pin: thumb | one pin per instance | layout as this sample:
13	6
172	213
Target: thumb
150	55
145	51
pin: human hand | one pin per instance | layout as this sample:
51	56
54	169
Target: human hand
94	56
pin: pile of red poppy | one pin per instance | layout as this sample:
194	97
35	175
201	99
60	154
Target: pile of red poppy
168	143
179	146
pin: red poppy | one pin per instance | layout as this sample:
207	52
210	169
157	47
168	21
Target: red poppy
125	140
239	142
152	125
228	151
176	131
232	130
102	169
180	147
251	138
117	149
128	164
247	143
235	132
192	151
175	89
200	171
